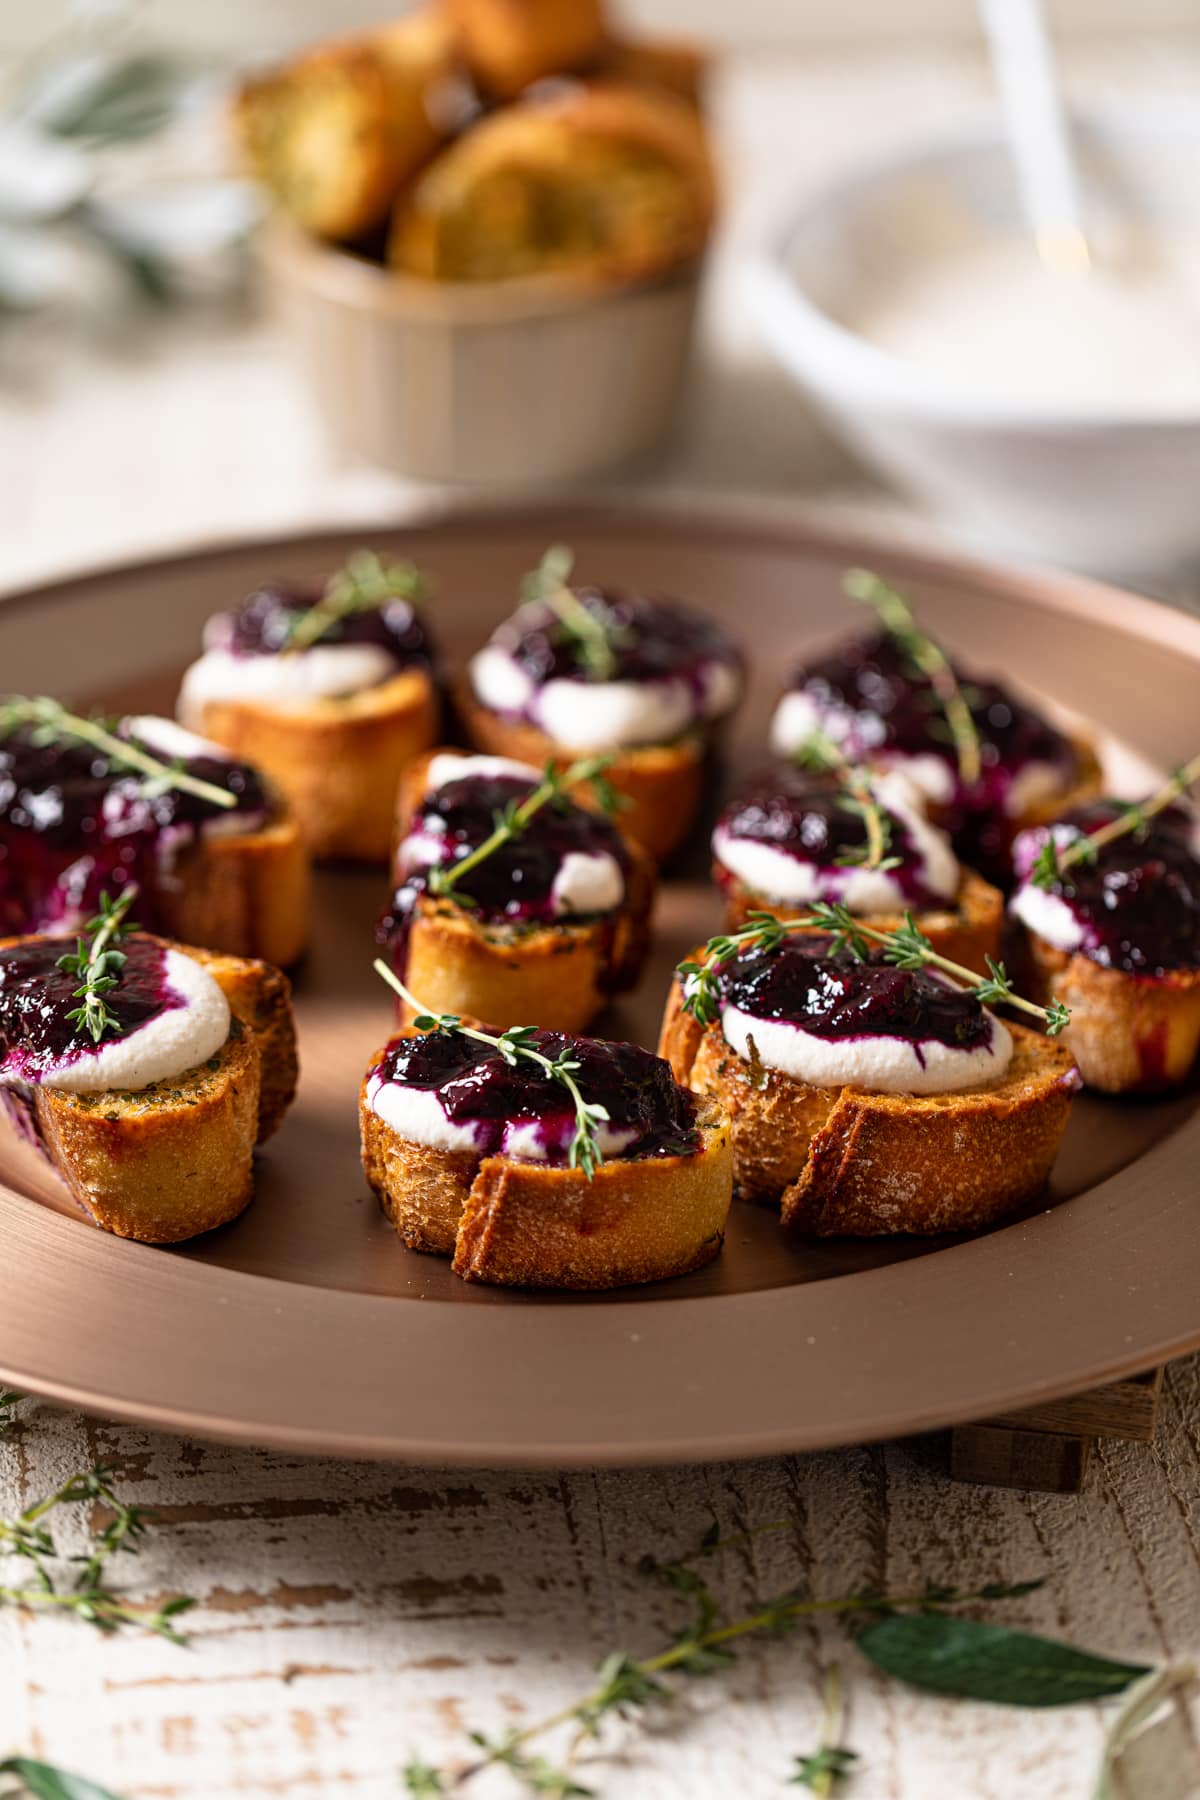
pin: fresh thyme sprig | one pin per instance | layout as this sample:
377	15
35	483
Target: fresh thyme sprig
99	964
89	1598
1052	860
550	583
821	754
515	1046
831	1762
906	948
365	585
626	1685
512	821
929	658
54	724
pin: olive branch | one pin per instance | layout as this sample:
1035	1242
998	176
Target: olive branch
906	948
365	585
99	964
512	821
515	1046
1052	860
928	656
53	724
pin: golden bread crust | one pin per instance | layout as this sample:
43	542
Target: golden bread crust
1130	1034
530	1225
245	893
337	132
168	1162
967	933
338	762
509	44
261	997
663	783
844	1162
598	185
671	63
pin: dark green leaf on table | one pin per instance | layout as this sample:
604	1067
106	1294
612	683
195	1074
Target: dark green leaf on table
977	1661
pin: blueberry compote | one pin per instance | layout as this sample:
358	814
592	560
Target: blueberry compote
36	996
887	705
834	995
515	885
1138	904
810	816
475	1085
262	626
651	639
72	825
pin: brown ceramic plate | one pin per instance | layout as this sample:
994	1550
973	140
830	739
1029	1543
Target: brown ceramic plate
306	1326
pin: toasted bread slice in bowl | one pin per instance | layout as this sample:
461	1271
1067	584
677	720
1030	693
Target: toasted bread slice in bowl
662	783
337	761
844	1161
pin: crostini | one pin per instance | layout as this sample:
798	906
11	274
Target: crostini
988	764
512	900
541	1159
592	185
146	1071
640	679
792	835
508	44
1113	928
864	1098
331	691
87	805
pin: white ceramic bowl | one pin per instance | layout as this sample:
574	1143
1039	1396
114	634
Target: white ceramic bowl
1103	490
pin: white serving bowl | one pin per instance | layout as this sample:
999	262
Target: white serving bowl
1113	489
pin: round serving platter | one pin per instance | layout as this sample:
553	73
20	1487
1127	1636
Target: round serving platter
306	1326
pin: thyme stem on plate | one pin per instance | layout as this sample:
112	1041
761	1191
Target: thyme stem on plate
365	585
98	964
929	657
1052	861
515	1046
550	583
54	724
513	820
907	947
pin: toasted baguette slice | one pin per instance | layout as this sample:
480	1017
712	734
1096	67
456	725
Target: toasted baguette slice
336	133
681	68
531	1225
662	782
511	43
338	762
846	1163
241	893
1130	1034
261	997
968	933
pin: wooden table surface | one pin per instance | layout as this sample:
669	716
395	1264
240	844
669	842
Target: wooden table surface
351	1615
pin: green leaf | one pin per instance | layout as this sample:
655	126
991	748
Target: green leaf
977	1661
45	1782
825	1768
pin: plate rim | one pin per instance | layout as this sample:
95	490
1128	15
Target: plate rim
113	1267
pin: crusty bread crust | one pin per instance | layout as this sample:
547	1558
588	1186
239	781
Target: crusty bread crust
168	1162
338	762
261	997
509	45
245	894
1130	1034
968	933
663	783
530	1225
844	1162
555	976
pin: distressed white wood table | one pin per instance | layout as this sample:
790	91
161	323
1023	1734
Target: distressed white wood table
351	1615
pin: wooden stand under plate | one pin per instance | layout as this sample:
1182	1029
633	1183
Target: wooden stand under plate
1047	1447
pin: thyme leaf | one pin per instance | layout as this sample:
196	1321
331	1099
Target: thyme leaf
550	583
823	755
830	1763
366	584
99	965
54	724
512	822
906	947
928	657
515	1045
1052	860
